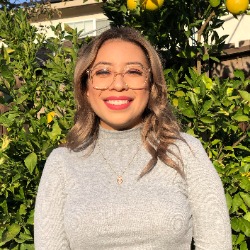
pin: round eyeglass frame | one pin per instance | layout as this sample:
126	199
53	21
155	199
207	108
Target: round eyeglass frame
88	71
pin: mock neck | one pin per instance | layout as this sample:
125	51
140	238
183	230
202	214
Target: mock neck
119	134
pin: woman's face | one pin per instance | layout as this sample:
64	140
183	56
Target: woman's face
119	107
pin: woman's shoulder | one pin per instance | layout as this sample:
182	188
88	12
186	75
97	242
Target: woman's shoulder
67	155
189	140
61	154
189	146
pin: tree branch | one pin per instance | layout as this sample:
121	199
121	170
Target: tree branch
199	34
243	137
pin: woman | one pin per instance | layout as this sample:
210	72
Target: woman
127	177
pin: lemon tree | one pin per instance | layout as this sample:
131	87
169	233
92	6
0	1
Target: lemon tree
179	29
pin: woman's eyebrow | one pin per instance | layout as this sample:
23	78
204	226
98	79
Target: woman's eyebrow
102	62
111	64
134	63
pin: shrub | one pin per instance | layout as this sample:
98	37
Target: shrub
218	113
36	82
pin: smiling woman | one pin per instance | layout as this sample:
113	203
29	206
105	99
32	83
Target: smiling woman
127	178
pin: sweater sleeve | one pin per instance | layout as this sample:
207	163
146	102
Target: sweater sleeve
49	231
211	224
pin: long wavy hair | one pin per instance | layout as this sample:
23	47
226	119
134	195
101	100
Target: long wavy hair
160	129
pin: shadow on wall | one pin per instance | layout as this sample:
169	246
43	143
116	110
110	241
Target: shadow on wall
231	59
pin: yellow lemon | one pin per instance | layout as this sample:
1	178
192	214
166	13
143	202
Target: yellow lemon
152	4
237	7
50	116
132	4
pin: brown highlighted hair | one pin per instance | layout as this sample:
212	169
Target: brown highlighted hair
159	128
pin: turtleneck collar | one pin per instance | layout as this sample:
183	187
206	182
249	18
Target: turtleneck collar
123	134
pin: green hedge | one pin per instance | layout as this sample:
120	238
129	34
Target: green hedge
36	82
218	113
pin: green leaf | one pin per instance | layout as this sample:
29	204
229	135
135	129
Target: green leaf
56	131
246	149
215	59
123	8
240	238
68	28
193	98
4	206
234	238
22	209
11	232
246	198
245	95
246	159
182	103
244	226
207	119
205	57
188	112
22	99
216	141
207	105
229	200
4	121
19	241
241	118
31	161
244	207
207	81
186	54
179	93
202	89
25	236
237	202
27	247
235	224
30	220
247	216
243	246
245	184
239	74
13	115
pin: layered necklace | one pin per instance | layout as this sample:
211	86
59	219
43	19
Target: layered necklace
119	176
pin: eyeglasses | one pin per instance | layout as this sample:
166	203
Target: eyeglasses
134	76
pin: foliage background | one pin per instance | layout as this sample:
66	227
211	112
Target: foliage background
36	81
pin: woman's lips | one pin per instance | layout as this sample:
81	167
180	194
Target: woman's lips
118	102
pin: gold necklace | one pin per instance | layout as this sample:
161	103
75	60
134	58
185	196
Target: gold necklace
119	177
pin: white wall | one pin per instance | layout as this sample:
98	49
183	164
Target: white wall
43	24
237	29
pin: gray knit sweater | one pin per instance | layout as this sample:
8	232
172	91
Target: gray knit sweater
81	206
